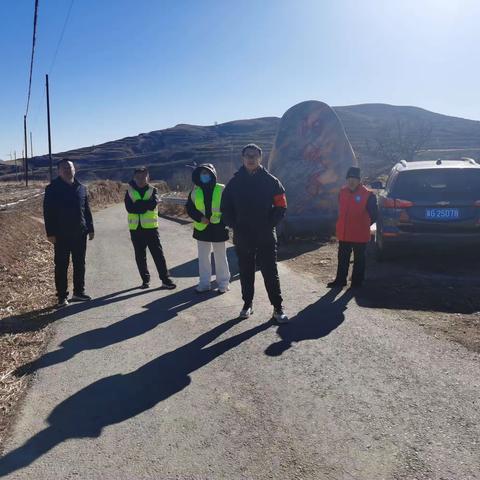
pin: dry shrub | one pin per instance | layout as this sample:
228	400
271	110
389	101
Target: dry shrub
161	185
105	192
170	210
16	349
26	260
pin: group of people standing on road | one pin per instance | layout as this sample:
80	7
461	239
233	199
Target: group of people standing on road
252	204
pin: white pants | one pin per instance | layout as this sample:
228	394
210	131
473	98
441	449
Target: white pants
205	265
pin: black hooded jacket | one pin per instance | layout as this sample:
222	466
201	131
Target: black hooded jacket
253	205
215	232
66	210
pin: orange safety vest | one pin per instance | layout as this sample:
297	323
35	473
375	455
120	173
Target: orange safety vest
353	224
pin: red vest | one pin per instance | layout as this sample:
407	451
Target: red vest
353	224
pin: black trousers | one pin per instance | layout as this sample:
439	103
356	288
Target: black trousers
265	254
141	239
76	246
344	253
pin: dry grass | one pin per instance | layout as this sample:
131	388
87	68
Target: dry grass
25	286
105	192
12	191
177	211
16	349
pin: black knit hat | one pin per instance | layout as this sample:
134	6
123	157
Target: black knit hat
353	172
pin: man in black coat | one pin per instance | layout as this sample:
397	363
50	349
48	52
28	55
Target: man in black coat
68	222
141	202
203	207
253	203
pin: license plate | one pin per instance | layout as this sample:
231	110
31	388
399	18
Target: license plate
442	214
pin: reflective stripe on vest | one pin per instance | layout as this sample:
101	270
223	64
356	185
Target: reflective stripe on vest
147	220
199	201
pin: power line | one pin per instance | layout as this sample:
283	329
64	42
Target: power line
33	53
37	109
61	36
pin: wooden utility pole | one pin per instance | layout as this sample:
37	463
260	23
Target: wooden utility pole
31	150
16	166
25	156
49	131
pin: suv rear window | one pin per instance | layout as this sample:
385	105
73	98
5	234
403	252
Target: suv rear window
439	184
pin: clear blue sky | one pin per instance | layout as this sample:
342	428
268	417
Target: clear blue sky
131	66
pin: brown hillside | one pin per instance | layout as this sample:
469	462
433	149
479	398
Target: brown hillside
168	151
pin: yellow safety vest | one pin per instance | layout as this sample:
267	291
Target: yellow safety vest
199	201
147	220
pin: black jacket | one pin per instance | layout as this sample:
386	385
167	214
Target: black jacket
215	232
141	206
253	204
66	210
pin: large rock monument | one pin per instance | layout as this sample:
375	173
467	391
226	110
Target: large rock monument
311	155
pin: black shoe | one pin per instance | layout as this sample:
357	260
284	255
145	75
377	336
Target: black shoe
62	302
336	284
145	285
80	297
246	311
356	284
168	284
279	316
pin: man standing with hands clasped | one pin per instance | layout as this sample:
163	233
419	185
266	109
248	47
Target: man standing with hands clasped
141	202
357	212
253	203
68	222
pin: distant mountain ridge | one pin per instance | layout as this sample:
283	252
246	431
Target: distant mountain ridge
362	121
168	151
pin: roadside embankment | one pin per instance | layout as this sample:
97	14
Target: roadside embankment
27	284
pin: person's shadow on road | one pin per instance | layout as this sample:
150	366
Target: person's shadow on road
313	322
156	313
37	319
117	398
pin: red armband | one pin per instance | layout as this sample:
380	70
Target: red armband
280	200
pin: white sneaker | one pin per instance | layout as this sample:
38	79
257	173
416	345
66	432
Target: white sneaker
223	289
279	316
245	313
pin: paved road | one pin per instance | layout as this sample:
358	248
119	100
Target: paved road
160	385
